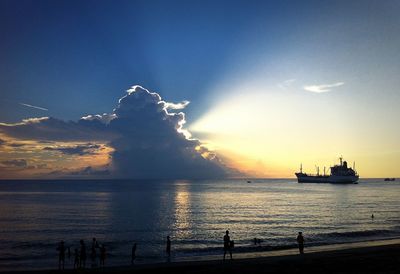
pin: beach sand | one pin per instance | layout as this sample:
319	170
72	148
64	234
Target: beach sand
364	257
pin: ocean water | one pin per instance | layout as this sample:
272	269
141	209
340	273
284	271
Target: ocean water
36	215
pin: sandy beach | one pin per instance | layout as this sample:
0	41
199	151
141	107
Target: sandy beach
362	257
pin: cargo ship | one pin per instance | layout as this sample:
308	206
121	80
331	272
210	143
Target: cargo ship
340	174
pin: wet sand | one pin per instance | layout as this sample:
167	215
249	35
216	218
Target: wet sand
364	257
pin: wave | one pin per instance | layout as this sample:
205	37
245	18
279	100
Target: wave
237	249
365	233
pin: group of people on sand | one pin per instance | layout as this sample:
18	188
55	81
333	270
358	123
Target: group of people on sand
80	254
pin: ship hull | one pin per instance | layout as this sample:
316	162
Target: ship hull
332	179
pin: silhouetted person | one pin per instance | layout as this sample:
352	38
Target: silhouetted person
372	216
168	249
61	255
227	244
76	258
95	244
255	241
102	255
300	241
133	254
82	254
93	254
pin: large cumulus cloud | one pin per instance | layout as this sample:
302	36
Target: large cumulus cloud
146	133
152	142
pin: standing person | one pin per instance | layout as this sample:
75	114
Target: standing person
227	244
102	255
76	258
168	249
133	254
93	254
300	241
95	244
82	254
93	257
61	255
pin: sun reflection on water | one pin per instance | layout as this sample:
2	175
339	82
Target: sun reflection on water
183	221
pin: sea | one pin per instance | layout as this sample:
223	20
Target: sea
35	215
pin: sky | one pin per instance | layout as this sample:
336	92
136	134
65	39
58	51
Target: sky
198	89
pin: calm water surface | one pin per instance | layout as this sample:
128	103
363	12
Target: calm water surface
36	215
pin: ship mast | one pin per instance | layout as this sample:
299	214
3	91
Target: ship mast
301	168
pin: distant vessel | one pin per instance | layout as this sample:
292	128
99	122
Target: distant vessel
389	179
340	174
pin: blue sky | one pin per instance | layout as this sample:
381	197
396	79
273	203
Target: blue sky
89	52
76	58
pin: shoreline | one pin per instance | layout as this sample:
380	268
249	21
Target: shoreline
368	257
295	251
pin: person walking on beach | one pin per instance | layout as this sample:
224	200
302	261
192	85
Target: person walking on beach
227	244
61	255
82	254
168	249
102	255
133	254
300	241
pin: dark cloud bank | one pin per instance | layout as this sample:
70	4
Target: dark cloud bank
15	163
145	132
86	149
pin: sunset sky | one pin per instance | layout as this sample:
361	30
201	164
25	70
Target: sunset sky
198	89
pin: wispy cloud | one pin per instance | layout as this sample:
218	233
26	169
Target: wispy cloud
31	106
285	84
322	88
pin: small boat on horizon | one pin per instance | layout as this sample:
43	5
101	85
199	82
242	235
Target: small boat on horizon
340	174
389	179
